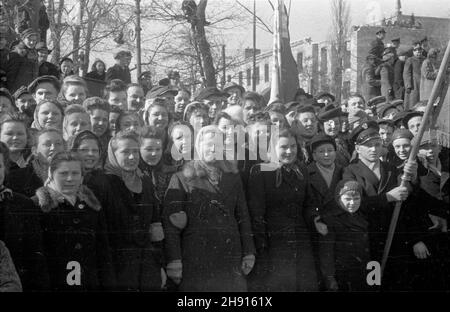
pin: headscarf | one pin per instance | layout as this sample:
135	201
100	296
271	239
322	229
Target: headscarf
36	125
212	171
132	180
275	164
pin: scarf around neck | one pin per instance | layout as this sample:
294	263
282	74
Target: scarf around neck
131	179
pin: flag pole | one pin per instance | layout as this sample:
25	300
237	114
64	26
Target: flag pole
415	149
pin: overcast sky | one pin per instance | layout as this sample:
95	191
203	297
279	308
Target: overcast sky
311	18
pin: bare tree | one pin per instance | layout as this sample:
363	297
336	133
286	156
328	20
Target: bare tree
340	31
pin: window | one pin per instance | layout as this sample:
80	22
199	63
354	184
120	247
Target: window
241	78
266	73
300	61
249	77
257	75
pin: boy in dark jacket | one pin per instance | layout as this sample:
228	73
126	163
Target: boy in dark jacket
344	244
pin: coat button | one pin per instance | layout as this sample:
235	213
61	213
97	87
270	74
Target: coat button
78	246
76	221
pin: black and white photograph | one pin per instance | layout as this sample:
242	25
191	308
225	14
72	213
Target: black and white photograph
218	153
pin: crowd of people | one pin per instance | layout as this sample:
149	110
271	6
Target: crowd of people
152	188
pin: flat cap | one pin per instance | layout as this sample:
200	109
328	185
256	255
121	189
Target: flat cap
230	85
21	91
27	32
209	92
365	132
410	115
381	30
41	46
376	101
158	91
320	140
46	78
329	112
122	53
402	134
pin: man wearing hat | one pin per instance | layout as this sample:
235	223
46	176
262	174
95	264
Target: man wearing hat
396	43
167	93
236	93
399	65
330	120
45	68
371	82
120	70
214	98
412	76
412	121
325	98
379	182
377	46
25	102
387	74
44	88
145	80
429	71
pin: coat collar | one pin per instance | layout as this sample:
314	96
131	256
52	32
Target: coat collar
319	183
48	199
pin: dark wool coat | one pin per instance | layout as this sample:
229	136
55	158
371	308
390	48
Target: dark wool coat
20	71
377	47
344	251
118	72
95	75
218	231
9	279
404	271
379	210
47	68
411	77
137	261
399	85
371	84
285	259
23	180
321	196
387	80
75	233
21	231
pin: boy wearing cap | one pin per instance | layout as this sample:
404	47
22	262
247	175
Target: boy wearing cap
306	127
25	101
344	240
120	70
379	181
412	74
330	120
377	46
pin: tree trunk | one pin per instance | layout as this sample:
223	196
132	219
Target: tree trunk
203	45
55	27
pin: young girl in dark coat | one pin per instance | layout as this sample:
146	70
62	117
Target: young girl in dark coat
21	232
344	241
277	197
132	217
209	244
75	237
